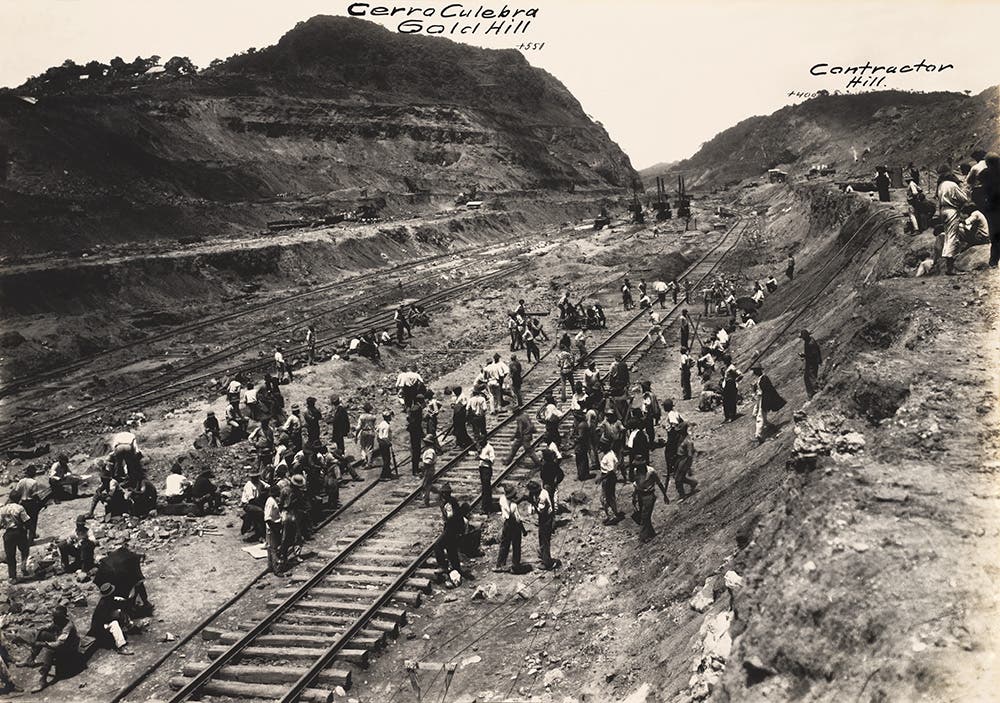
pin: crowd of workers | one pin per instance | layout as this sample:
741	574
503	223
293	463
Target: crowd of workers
301	459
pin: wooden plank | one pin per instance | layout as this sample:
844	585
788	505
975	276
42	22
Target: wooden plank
272	674
409	597
332	606
242	691
354	656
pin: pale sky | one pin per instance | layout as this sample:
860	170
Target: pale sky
662	76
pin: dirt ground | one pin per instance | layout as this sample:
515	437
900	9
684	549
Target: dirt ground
865	576
869	577
198	561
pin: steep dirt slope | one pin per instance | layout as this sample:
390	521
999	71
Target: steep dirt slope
340	109
894	127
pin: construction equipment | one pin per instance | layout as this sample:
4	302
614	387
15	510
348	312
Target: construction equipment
683	200
603	220
662	205
638	217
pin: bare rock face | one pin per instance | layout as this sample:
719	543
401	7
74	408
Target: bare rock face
338	113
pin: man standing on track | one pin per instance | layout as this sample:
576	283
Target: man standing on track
618	382
496	373
524	435
487	455
516	379
383	433
459	418
530	348
476	407
685	323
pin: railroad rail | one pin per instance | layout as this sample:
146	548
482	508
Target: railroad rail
191	373
85	360
335	617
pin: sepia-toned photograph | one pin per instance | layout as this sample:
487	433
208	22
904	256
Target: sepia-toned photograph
533	351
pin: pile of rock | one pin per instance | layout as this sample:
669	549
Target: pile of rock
824	434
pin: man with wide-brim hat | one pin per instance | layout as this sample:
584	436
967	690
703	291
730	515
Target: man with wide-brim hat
109	621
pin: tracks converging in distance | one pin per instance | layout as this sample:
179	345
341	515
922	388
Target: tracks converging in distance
332	619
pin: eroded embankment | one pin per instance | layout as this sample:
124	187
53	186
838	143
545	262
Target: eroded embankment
57	313
859	531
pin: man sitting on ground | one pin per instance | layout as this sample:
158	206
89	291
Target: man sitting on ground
64	484
57	644
205	495
110	621
77	550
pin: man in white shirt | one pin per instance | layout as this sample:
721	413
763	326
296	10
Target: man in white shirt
655	331
233	391
487	456
513	530
272	520
383	435
476	408
252	501
608	479
409	382
496	372
428	465
177	485
63	483
281	367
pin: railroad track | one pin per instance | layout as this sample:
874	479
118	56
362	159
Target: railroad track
333	619
193	372
86	360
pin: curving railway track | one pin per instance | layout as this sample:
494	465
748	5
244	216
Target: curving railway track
204	368
333	619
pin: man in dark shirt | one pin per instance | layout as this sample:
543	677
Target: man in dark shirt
813	359
57	644
312	419
340	422
516	378
204	493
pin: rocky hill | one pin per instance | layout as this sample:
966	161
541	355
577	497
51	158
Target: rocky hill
339	110
850	132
